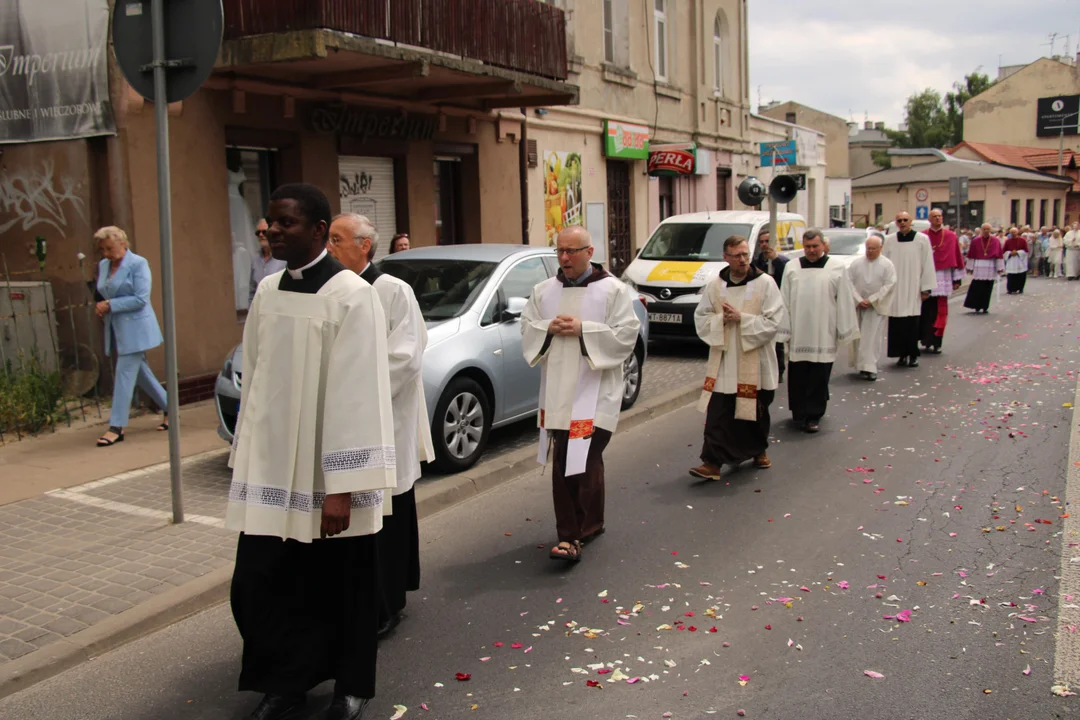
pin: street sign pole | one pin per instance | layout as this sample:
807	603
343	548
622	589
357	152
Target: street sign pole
161	116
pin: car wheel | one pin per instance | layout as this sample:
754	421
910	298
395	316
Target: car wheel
631	379
461	426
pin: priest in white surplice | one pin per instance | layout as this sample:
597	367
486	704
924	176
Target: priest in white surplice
354	241
737	317
580	327
312	455
872	279
913	258
820	318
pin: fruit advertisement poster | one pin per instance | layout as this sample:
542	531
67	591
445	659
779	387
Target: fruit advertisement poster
562	192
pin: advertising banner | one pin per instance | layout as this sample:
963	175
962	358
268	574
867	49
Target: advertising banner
672	159
1057	116
54	70
781	152
626	141
562	192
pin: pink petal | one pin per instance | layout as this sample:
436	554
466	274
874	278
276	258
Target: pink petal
842	585
744	678
872	674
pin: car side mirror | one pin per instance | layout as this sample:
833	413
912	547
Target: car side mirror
514	307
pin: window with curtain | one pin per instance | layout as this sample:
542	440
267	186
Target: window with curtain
609	31
718	55
661	31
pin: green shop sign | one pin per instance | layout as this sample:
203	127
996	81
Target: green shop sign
622	140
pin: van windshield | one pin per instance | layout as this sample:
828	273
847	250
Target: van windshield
692	241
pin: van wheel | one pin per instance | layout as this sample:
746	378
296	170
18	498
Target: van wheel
461	425
632	375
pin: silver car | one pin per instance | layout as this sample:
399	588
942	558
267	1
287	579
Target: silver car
475	376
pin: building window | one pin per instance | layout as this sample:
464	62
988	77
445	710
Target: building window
1029	212
667	198
718	55
1014	212
609	31
661	31
878	213
790	117
723	187
1056	220
1042	214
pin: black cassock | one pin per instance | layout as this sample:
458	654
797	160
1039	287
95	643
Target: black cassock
307	612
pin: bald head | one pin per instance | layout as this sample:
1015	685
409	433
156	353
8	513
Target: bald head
574	250
873	247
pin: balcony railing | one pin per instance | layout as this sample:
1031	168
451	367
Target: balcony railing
524	35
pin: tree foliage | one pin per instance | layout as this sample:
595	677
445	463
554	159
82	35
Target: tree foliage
933	120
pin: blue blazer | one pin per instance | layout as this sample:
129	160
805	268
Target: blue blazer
131	319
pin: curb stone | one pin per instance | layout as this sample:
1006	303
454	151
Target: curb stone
213	588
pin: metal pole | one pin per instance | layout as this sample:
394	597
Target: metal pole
161	115
773	240
1061	148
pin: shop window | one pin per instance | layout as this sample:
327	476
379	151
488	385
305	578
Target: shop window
667	198
251	178
448	205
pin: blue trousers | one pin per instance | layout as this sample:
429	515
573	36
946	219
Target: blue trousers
132	370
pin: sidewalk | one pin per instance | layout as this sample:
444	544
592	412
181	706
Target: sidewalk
95	561
70	457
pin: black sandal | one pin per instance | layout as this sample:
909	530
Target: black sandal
567	551
106	442
163	426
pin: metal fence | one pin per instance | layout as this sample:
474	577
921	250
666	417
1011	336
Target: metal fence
524	35
51	371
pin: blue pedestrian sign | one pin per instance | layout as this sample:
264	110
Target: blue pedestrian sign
922	212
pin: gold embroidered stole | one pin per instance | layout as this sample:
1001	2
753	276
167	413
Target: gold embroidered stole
748	367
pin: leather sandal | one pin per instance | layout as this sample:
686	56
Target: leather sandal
106	442
567	551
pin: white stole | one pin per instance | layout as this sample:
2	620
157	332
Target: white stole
583	412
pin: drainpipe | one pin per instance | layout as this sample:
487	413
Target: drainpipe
523	175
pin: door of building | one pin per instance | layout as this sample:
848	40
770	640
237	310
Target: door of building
367	188
620	249
448	208
723	187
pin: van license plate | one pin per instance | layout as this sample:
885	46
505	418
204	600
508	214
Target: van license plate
665	318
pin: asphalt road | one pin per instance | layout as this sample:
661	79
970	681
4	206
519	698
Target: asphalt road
931	494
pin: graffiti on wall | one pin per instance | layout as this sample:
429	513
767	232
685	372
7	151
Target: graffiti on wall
39	197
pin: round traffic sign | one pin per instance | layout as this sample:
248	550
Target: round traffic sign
922	195
193	32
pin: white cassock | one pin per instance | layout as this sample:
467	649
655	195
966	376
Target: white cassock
872	281
915	273
315	416
581	378
1071	243
406	341
820	311
762	309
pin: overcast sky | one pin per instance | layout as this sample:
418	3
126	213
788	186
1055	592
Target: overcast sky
859	58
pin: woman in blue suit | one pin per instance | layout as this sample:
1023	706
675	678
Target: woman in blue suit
131	328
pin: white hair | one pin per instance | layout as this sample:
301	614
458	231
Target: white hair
579	231
364	229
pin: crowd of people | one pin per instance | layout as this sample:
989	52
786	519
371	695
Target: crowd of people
1050	251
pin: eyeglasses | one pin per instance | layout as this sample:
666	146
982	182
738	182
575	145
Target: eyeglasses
262	233
905	220
571	251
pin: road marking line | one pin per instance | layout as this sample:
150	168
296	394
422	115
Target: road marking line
141	472
1067	654
129	509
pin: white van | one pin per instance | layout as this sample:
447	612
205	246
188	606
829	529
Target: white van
686	251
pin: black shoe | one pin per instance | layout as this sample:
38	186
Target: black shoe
811	427
902	362
279	707
390	625
346	707
872	377
914	362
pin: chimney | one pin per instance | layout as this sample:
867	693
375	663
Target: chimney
869	125
879	126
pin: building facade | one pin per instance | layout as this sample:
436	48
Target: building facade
1008	113
837	153
810	154
998	194
862	143
392	110
662	125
